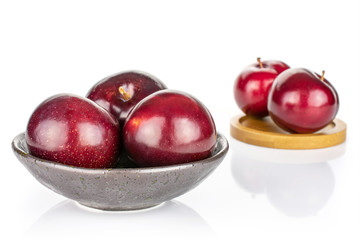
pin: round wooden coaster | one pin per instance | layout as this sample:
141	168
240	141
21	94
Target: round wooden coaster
264	132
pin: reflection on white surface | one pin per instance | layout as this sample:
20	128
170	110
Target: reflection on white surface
274	155
171	218
297	190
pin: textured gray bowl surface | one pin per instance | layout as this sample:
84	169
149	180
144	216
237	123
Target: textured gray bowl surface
119	188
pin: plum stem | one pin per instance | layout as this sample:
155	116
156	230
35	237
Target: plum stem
124	95
322	76
260	63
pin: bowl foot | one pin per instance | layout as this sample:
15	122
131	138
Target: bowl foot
117	208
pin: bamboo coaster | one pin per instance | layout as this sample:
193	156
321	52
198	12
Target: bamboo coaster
264	132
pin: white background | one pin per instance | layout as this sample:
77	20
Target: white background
50	47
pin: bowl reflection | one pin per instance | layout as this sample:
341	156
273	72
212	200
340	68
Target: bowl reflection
79	221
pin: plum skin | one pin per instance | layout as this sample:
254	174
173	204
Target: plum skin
75	131
169	127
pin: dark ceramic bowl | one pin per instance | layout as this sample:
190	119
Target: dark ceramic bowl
119	188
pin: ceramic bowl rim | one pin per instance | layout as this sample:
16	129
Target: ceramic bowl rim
218	155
